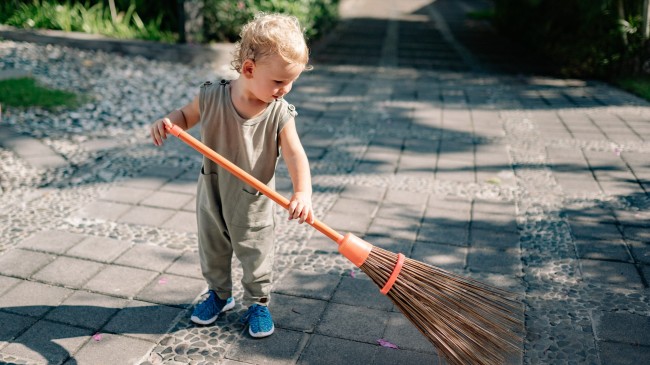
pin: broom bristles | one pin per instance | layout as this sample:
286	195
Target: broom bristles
467	321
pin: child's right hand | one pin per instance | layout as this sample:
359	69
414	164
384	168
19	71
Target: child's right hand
158	131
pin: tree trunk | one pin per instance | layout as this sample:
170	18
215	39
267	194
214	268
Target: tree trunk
646	19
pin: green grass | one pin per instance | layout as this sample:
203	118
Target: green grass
639	86
26	92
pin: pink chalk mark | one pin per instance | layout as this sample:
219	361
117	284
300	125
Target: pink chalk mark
387	344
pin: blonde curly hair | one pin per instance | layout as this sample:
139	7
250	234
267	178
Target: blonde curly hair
269	34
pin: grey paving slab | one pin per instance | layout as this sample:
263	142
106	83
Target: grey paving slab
68	272
168	200
180	186
349	222
120	281
296	313
12	326
33	299
494	261
86	310
603	250
361	292
7	283
497	238
145	182
388	356
621	327
611	273
457	236
637	233
281	348
53	241
396	228
640	251
451	258
182	222
143	320
325	350
126	194
356	206
112	349
105	210
307	284
102	249
187	265
616	353
173	290
23	263
353	323
146	216
48	341
149	257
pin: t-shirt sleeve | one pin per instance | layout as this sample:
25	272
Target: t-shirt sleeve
288	112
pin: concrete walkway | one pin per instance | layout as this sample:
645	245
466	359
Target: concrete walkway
421	139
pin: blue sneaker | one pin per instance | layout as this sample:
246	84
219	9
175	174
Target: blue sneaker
207	311
260	323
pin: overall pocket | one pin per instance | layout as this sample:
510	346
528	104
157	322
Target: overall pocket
252	210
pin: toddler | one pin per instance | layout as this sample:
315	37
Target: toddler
247	121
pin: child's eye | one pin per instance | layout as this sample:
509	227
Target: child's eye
278	82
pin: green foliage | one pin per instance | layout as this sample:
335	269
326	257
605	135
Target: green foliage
637	85
585	38
224	18
26	92
67	16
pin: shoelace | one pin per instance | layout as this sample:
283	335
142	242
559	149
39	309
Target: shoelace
257	310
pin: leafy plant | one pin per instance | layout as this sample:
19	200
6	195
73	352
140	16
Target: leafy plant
48	14
224	18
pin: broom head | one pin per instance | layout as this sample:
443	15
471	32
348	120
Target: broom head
467	321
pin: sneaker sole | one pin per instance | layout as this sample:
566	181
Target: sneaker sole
261	334
230	305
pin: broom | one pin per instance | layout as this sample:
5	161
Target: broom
467	321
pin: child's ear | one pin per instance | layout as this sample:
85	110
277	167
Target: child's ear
247	68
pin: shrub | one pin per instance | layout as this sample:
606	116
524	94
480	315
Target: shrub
224	18
586	38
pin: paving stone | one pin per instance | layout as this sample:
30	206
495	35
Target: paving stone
105	210
307	284
281	348
112	349
392	244
7	283
51	241
127	195
361	292
387	356
12	326
180	186
498	239
120	281
495	261
188	264
149	257
87	310
637	233
399	229
611	273
173	290
404	197
495	222
182	222
456	236
23	263
143	320
603	250
33	299
353	323
168	200
616	353
363	192
68	272
325	350
296	313
598	231
356	206
450	258
146	216
48	341
145	182
347	222
621	327
102	249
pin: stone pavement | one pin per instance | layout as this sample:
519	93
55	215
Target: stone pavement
426	133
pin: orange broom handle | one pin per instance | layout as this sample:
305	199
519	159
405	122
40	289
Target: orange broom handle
245	177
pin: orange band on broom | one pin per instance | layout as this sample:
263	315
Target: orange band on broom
468	322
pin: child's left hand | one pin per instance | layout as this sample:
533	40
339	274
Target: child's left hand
300	208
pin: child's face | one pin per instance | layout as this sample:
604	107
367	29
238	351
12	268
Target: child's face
273	77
